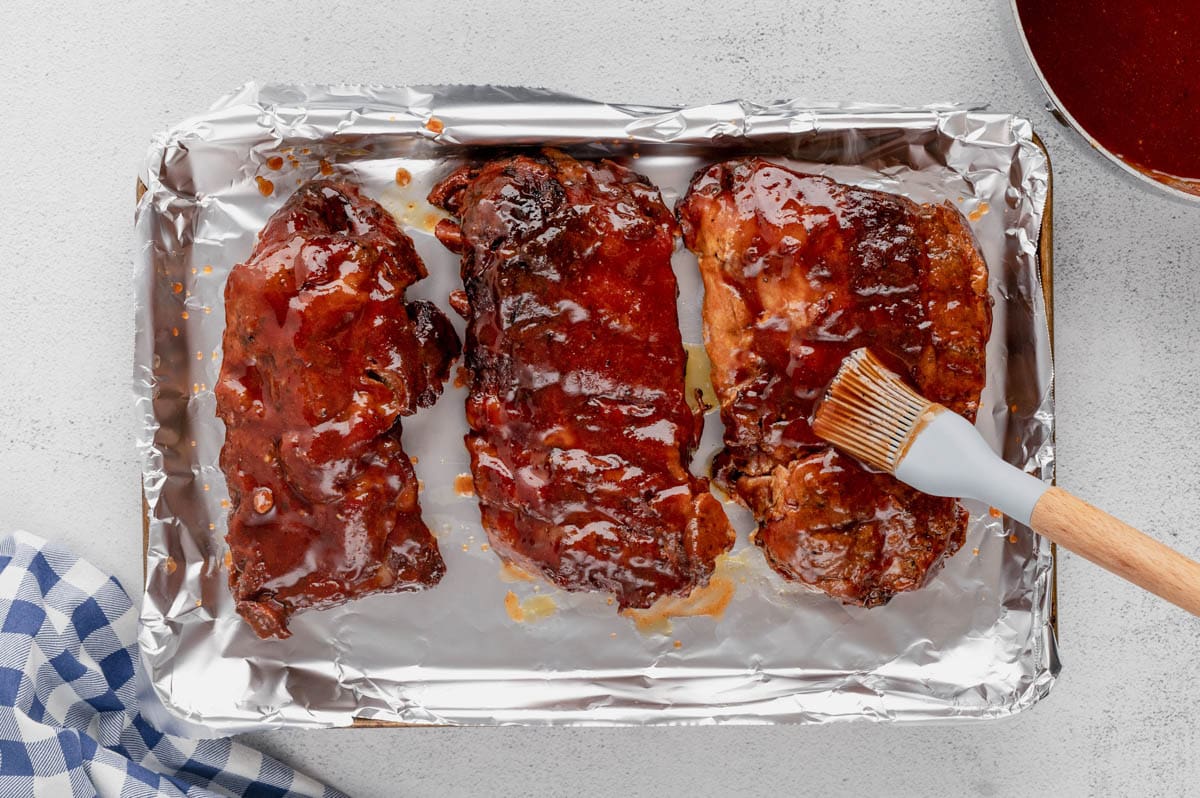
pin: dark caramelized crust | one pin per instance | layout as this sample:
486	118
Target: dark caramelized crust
580	434
321	359
798	271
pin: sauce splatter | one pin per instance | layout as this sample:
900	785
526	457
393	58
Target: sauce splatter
994	512
177	288
403	177
538	607
275	163
464	485
512	573
325	167
430	221
531	609
979	212
170	565
265	187
512	605
435	125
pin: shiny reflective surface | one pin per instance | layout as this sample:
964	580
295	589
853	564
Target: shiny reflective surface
798	271
777	653
321	359
1127	72
580	436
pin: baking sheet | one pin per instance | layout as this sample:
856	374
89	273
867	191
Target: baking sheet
977	642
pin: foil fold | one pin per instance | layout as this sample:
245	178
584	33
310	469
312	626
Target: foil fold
976	643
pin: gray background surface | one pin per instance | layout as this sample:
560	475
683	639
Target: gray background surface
82	89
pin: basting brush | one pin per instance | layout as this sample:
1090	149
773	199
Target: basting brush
871	414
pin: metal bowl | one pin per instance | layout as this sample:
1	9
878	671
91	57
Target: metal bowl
1180	187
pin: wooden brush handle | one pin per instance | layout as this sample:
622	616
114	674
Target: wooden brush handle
1116	546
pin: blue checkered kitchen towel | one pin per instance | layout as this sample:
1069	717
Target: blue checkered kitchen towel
69	720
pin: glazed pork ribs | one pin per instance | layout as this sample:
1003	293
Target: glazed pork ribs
798	271
322	357
580	435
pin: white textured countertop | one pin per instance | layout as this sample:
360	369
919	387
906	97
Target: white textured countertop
83	89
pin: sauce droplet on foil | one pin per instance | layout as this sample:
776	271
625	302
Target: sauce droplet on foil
979	212
513	573
533	608
265	187
464	485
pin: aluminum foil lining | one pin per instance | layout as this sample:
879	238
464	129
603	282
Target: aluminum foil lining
977	642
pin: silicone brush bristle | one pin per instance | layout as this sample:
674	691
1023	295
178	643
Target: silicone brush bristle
869	412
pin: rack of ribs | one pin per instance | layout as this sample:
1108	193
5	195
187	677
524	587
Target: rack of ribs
798	271
322	356
580	434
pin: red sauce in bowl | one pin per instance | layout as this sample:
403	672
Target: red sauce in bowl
1128	72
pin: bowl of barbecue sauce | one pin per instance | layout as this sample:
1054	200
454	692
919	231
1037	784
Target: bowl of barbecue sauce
1126	75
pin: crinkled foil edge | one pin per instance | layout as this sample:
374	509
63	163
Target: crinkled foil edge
316	111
